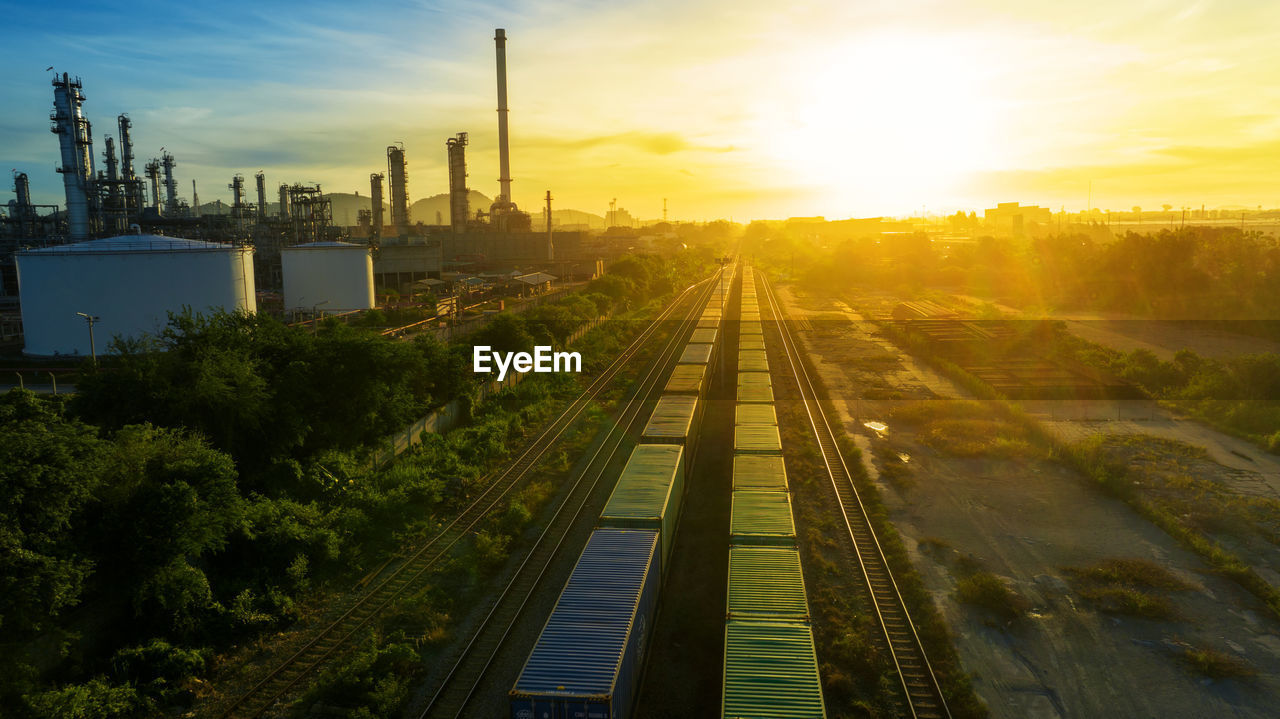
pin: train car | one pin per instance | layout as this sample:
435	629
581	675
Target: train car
703	335
761	518
649	494
757	439
708	322
752	327
751	342
753	361
766	583
770	670
698	353
755	387
759	472
688	379
675	420
755	413
589	657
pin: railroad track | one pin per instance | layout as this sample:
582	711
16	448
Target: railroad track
920	686
452	694
335	639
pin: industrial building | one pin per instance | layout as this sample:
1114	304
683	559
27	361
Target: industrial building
130	284
293	244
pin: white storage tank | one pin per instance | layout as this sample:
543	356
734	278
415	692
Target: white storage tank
130	283
338	275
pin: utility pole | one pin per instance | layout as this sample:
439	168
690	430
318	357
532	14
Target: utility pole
93	350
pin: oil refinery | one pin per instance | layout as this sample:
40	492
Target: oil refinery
125	229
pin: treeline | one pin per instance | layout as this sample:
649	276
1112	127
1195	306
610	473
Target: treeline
1194	272
203	480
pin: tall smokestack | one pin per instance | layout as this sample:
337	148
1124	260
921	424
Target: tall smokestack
459	204
504	159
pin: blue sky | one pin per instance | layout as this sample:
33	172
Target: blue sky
729	108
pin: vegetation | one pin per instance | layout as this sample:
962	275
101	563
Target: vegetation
1127	586
1214	664
964	428
206	480
987	591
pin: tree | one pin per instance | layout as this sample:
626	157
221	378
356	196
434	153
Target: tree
49	469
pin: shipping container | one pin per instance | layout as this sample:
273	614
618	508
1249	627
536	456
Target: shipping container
754	392
752	328
711	322
751	342
761	518
753	361
687	379
696	353
759	471
704	335
755	413
588	660
770	670
649	494
766	583
673	419
756	438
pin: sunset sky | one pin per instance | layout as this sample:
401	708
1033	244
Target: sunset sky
729	108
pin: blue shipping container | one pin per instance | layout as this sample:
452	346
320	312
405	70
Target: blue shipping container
587	662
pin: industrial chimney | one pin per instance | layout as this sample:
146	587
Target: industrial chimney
504	156
459	204
170	185
284	203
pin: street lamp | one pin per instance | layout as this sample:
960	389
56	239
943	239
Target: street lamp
93	351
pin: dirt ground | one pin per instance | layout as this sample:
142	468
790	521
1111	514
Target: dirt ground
1024	520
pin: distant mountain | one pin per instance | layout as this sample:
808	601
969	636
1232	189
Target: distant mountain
425	210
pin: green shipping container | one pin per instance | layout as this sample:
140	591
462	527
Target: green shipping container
695	353
711	322
705	335
753	361
672	420
756	438
686	379
766	583
649	494
770	670
762	518
752	328
755	413
754	393
759	471
751	342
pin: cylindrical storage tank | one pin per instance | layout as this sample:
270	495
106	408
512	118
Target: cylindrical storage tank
130	283
338	275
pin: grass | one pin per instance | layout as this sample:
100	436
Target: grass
987	591
965	429
1214	664
1127	586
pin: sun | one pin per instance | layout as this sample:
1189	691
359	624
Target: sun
886	121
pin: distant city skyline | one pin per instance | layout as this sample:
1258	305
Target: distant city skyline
742	109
